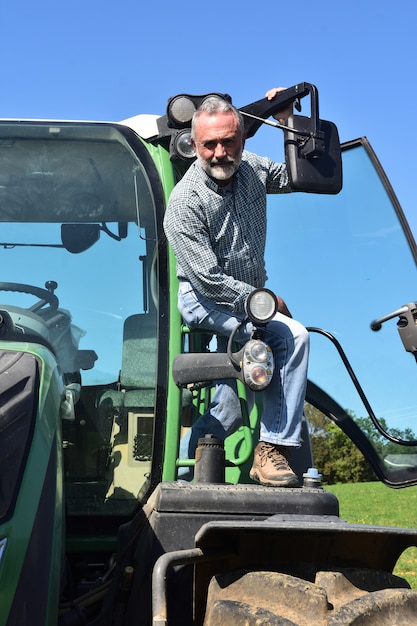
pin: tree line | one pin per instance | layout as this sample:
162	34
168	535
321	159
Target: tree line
336	456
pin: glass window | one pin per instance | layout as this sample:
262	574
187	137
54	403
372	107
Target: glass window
79	258
340	262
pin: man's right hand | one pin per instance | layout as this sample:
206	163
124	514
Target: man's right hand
282	115
282	307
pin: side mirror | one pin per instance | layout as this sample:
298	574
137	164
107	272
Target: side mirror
312	147
313	155
79	237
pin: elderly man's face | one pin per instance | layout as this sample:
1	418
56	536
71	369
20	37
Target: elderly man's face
218	145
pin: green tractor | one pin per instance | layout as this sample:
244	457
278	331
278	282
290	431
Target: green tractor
99	380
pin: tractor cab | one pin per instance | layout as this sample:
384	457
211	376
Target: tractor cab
79	207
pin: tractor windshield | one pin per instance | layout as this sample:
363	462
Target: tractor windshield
79	259
344	261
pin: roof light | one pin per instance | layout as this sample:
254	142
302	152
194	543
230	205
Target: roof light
181	110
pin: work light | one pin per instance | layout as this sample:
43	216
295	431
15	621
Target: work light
257	364
181	108
181	145
261	306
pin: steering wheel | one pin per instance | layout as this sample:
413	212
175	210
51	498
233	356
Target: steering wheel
45	296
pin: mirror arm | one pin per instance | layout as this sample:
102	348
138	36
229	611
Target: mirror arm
108	232
295	131
377	324
315	145
265	108
259	111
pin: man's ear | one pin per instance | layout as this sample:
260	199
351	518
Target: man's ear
244	139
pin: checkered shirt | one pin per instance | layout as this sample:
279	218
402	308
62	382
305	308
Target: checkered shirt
218	234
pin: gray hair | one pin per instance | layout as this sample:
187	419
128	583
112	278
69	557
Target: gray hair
213	105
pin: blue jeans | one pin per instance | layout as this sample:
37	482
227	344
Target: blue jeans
283	399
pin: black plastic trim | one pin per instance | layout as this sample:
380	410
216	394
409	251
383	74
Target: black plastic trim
30	603
19	392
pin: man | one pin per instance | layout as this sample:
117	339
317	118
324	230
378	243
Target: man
216	224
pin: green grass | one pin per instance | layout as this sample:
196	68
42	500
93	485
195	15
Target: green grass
374	503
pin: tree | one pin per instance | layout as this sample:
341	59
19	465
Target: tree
335	455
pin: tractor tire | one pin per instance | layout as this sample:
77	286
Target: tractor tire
335	598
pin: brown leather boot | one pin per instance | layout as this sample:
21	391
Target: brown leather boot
271	468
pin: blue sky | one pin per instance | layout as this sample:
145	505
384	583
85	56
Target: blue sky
103	60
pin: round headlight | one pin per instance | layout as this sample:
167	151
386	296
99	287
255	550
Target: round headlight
259	376
261	306
182	145
258	351
181	110
257	364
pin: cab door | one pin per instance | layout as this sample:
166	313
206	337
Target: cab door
341	262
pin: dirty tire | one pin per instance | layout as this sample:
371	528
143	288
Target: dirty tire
349	598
